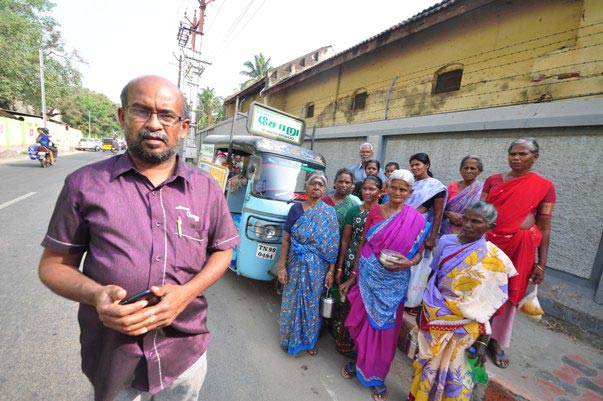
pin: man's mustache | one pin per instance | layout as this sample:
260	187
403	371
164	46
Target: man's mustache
145	134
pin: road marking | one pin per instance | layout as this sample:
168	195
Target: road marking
20	198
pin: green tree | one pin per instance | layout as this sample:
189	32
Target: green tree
84	102
25	27
255	69
210	108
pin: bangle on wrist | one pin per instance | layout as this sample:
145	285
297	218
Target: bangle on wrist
481	342
539	267
339	269
353	272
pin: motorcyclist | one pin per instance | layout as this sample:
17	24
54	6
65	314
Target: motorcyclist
44	140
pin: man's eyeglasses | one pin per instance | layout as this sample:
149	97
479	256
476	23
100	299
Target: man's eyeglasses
142	114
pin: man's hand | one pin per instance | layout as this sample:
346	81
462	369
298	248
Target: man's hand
136	319
127	319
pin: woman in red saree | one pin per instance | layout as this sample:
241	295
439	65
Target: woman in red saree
525	203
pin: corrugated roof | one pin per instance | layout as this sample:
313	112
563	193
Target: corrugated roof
428	11
434	9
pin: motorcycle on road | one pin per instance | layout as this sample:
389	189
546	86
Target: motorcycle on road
40	153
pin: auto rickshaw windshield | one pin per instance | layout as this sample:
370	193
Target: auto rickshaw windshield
281	179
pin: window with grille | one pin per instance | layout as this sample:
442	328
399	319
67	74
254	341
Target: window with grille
359	102
448	81
309	110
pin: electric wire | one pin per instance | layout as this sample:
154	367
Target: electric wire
230	30
383	84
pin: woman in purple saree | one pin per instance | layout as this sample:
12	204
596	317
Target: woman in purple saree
470	283
377	301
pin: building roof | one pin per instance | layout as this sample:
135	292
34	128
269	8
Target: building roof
429	17
17	115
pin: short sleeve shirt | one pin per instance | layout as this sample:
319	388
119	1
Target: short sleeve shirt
136	236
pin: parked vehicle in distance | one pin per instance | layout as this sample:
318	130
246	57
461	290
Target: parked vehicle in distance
110	145
122	144
89	144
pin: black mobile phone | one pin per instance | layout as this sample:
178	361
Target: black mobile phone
144	295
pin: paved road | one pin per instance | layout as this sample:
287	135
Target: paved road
40	348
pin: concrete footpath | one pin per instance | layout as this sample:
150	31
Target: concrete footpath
550	361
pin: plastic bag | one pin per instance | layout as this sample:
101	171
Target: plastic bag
530	306
418	280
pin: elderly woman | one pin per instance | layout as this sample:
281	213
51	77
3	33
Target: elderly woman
350	239
306	266
462	194
377	301
342	199
428	196
525	203
469	285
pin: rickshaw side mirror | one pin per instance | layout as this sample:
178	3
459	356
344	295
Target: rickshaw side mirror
254	167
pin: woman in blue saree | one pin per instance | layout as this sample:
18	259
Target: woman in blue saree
306	265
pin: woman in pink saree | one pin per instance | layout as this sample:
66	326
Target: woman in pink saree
377	299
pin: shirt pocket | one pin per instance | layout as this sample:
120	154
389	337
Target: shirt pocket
191	247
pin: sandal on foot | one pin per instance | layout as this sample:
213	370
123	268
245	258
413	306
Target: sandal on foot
499	358
379	393
312	352
349	370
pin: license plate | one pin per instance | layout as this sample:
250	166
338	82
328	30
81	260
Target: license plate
267	252
42	153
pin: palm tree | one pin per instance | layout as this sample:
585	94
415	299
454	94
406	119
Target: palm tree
210	108
255	69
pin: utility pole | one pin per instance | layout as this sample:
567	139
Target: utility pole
43	88
89	120
190	68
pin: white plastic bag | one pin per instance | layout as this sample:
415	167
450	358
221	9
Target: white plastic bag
530	306
418	280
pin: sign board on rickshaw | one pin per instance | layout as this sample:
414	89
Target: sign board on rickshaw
206	151
272	123
217	171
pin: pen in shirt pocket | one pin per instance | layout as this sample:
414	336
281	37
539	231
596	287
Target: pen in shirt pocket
179	227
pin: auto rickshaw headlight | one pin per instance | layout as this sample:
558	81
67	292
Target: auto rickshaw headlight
265	231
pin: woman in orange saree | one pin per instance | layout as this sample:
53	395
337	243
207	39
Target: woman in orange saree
525	203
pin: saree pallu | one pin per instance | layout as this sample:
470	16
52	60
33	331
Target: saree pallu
342	208
514	200
424	190
457	204
465	291
377	301
314	244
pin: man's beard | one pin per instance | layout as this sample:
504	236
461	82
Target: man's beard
136	148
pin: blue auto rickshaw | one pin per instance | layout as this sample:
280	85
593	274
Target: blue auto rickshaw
260	191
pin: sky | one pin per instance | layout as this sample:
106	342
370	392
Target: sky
124	39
